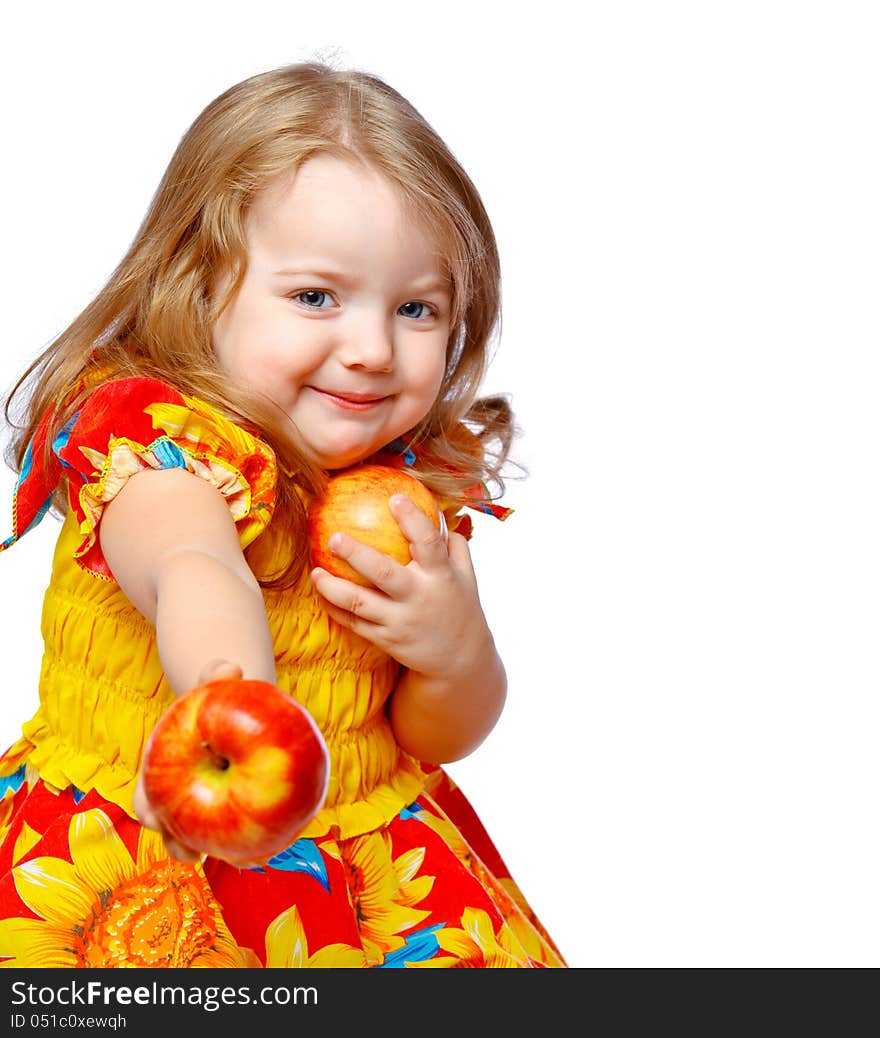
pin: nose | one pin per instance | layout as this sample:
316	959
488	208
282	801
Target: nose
370	345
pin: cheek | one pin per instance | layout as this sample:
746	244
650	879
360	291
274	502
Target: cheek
230	337
434	372
425	380
221	341
247	344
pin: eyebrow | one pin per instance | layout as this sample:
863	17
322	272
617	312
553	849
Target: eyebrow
434	285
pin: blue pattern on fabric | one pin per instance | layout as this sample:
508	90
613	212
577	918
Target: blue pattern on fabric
13	781
399	447
421	945
169	454
60	441
301	856
26	464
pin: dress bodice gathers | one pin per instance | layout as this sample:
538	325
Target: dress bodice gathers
102	686
102	689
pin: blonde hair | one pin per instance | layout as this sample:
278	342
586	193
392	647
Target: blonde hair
155	315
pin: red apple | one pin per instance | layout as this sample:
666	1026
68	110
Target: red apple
356	502
236	769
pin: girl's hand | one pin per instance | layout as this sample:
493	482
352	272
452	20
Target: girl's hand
213	671
427	614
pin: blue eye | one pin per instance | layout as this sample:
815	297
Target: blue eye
315	298
311	303
424	306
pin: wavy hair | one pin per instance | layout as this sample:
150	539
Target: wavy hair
154	316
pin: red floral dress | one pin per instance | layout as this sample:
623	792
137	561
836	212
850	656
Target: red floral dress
396	869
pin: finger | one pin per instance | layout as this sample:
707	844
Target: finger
365	628
379	569
361	602
147	817
460	557
427	543
218	670
142	809
180	850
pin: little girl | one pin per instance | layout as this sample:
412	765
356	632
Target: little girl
314	286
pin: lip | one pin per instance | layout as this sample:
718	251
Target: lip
351	401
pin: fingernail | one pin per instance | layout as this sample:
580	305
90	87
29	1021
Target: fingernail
335	542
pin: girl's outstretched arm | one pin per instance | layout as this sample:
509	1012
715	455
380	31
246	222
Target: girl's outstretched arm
173	548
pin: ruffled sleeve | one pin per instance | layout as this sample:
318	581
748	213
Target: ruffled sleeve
130	424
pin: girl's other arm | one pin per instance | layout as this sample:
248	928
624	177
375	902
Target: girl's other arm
444	719
172	546
427	615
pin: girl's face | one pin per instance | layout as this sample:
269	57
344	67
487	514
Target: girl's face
344	312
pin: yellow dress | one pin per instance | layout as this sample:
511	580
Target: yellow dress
395	870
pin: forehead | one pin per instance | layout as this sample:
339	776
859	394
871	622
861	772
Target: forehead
344	209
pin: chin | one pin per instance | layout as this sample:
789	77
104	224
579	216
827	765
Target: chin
342	458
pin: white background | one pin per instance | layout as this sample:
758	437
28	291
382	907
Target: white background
686	201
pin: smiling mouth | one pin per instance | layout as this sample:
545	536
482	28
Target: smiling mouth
351	401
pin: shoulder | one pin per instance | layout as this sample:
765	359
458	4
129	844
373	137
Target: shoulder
133	424
146	409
